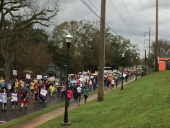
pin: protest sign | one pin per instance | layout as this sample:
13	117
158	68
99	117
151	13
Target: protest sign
14	97
43	92
4	98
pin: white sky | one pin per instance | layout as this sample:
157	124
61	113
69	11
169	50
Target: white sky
141	16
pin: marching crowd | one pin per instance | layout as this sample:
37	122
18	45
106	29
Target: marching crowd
18	91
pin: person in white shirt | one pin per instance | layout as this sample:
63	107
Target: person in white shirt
112	83
79	90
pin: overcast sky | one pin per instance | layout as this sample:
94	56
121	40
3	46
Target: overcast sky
129	18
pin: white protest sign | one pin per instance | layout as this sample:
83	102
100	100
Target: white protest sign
14	72
43	92
39	76
4	98
14	97
28	76
9	86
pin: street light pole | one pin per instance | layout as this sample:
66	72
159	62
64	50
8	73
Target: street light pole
149	41
122	71
136	67
65	121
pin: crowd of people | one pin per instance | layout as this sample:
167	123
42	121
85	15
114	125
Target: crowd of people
18	91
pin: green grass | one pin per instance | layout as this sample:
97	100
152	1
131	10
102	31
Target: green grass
144	103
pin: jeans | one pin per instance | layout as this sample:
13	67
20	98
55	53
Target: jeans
68	101
75	100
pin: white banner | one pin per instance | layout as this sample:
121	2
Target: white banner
14	97
43	92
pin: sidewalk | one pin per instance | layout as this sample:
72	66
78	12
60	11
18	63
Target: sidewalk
60	111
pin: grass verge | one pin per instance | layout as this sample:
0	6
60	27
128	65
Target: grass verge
144	103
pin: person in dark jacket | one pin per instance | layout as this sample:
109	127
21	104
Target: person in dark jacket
75	96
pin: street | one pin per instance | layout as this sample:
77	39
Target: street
32	107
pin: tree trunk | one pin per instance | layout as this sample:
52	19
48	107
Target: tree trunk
7	69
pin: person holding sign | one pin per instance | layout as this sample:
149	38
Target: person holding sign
43	94
14	99
4	101
24	100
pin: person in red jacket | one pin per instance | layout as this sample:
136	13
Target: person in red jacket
69	96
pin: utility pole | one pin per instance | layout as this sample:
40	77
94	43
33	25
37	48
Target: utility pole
102	52
156	42
149	44
149	41
145	63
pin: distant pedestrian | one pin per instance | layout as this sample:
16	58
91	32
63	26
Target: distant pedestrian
14	99
69	96
4	100
24	100
116	81
75	96
108	80
63	89
35	94
94	84
85	94
79	90
112	83
43	93
32	88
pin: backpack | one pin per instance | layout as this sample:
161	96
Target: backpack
3	84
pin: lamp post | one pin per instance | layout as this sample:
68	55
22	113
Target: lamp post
122	71
136	67
65	121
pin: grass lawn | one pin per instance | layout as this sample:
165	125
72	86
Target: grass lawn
144	103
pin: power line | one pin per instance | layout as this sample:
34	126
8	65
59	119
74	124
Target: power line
97	15
106	19
132	18
124	20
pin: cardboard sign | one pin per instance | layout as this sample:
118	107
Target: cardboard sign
14	97
14	72
39	77
43	92
4	98
28	76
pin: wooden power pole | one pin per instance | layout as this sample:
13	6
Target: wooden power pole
102	52
156	49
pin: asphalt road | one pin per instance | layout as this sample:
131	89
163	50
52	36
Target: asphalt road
32	107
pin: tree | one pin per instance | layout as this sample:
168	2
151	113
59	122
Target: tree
31	53
163	50
84	49
115	47
23	14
